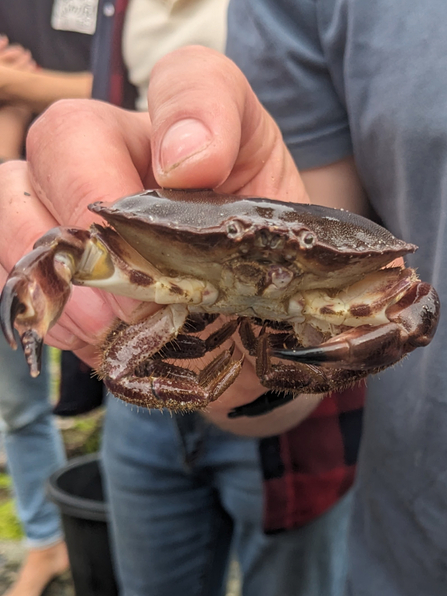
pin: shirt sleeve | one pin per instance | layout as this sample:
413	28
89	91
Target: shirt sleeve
276	44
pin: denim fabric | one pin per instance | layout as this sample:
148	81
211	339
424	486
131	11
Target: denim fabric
185	494
32	443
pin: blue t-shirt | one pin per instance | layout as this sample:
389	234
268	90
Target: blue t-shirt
370	78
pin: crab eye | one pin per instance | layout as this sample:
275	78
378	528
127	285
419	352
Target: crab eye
307	239
234	228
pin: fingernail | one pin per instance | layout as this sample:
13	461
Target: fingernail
183	140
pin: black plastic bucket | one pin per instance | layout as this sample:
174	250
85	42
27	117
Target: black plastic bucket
77	490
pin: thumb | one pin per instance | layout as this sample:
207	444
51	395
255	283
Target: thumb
205	120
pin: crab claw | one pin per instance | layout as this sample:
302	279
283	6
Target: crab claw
33	299
412	324
17	308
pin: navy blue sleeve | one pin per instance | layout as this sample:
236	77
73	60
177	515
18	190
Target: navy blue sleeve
276	44
101	50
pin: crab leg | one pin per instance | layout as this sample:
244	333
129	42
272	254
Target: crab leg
128	347
131	368
413	322
191	346
287	381
176	388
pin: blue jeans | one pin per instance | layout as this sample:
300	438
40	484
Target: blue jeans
184	495
33	445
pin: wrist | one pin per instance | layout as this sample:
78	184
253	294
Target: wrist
271	423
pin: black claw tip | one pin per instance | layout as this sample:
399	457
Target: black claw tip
304	355
10	307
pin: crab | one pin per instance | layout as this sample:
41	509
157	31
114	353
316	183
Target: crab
309	290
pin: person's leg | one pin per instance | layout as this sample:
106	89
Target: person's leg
170	534
308	561
34	450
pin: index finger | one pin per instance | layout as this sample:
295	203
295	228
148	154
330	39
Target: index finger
23	218
81	151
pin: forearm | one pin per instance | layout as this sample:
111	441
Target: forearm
275	422
37	90
337	185
14	121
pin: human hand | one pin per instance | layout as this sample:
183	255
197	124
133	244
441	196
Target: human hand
15	56
208	130
29	206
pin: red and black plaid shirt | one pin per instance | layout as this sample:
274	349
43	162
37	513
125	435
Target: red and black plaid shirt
308	468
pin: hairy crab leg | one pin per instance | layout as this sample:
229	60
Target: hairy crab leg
131	368
128	347
287	381
168	386
299	377
190	346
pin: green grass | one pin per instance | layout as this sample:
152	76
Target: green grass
10	528
54	364
85	425
5	481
